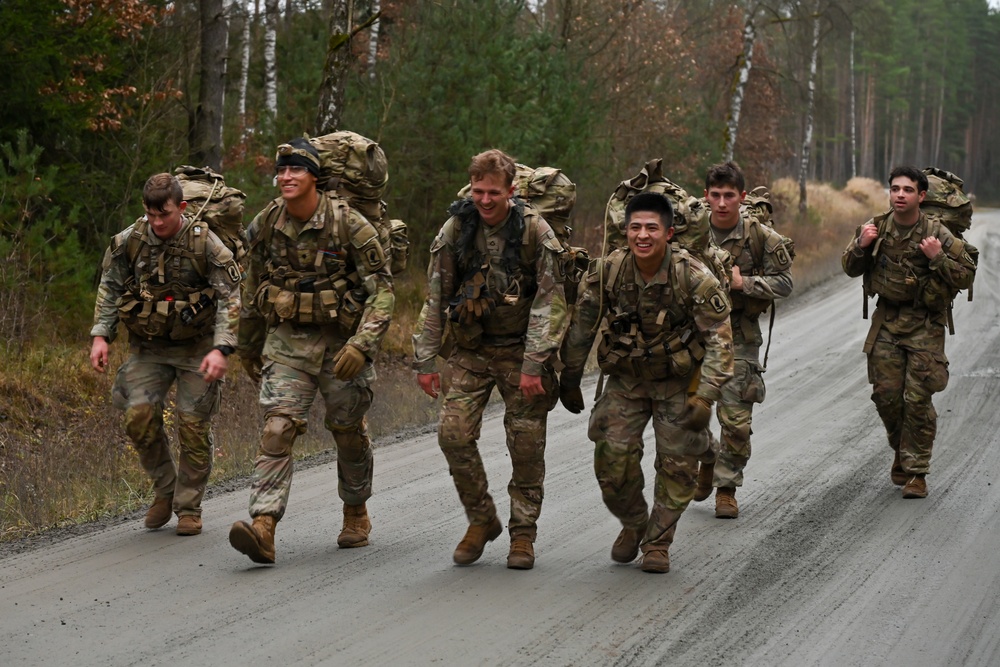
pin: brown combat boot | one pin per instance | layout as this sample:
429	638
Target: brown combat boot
706	471
916	487
522	554
356	527
897	473
471	547
159	512
626	547
256	541
189	524
725	503
655	560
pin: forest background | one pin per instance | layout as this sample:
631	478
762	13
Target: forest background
815	98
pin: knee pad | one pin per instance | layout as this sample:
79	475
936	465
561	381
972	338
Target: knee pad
278	437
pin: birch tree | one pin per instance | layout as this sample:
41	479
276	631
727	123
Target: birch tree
743	66
245	63
338	59
810	112
373	40
206	134
271	12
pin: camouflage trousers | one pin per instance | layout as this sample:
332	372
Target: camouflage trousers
617	422
472	376
905	372
287	394
735	413
140	389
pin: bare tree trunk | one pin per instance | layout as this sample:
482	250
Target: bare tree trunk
868	135
338	58
373	41
810	114
854	119
271	12
744	64
245	62
206	135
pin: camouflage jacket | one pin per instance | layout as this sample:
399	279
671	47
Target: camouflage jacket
900	246
124	277
540	287
765	279
277	242
684	296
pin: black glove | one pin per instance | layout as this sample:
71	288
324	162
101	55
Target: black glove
696	415
571	397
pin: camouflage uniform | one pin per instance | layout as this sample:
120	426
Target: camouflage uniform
905	345
649	369
147	283
523	276
765	279
313	286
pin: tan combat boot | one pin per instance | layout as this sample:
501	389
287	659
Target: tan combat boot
471	547
256	541
656	561
522	554
897	473
916	487
706	471
356	527
189	524
626	547
725	503
159	512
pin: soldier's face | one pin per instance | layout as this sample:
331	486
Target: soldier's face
648	236
295	182
167	221
724	200
491	194
904	195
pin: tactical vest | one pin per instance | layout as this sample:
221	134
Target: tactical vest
756	243
650	343
324	289
167	295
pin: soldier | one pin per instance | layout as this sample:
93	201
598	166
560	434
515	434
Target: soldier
762	263
319	301
496	283
915	266
175	287
667	350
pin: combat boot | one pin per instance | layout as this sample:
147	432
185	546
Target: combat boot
471	547
522	554
725	503
356	527
706	471
189	524
159	512
256	541
655	560
626	547
897	473
916	487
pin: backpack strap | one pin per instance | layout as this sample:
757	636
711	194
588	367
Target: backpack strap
881	222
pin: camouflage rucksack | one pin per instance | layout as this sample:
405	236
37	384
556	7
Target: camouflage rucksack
220	206
946	201
356	169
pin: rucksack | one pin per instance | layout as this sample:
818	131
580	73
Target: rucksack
211	201
357	170
946	201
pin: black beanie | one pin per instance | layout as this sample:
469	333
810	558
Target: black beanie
298	152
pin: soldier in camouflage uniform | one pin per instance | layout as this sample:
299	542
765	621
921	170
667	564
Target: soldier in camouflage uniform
762	263
319	301
666	347
496	285
175	286
914	265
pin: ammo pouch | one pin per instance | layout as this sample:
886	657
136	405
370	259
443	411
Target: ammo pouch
308	300
508	320
628	353
167	317
894	281
936	295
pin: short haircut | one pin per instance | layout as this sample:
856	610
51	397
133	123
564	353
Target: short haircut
912	173
651	202
161	188
493	161
723	174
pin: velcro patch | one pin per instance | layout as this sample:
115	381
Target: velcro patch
233	270
718	302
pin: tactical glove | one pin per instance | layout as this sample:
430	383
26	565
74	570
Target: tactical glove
571	397
476	302
252	365
696	415
348	362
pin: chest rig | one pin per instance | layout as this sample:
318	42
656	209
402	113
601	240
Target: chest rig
899	268
648	333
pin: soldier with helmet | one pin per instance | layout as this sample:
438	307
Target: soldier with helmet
175	286
496	285
666	349
319	301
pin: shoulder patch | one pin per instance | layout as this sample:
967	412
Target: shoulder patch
362	234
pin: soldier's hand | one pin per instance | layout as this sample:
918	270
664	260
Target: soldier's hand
348	362
571	397
99	354
931	247
253	367
737	281
696	415
430	383
213	366
869	233
531	385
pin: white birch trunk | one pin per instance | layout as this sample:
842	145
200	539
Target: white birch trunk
271	12
373	41
245	64
810	113
739	87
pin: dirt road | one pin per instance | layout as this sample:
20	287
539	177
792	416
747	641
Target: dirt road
826	564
